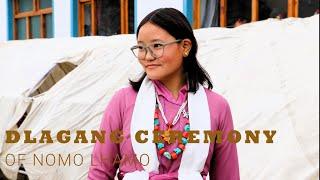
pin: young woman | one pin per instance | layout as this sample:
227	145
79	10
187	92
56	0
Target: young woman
170	96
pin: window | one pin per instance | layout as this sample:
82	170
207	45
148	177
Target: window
233	13
32	19
86	17
105	18
307	8
224	13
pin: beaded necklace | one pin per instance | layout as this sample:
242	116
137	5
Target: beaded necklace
166	135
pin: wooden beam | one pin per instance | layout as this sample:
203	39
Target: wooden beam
122	23
84	1
93	18
34	2
81	19
293	8
255	10
124	16
15	7
196	12
28	29
290	8
38	4
33	13
45	26
42	26
223	13
15	31
296	8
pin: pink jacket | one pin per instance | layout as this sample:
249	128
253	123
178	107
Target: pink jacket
222	160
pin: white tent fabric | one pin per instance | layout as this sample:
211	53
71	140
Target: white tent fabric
23	64
268	71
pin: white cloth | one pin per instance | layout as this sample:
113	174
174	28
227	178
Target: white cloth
194	156
136	175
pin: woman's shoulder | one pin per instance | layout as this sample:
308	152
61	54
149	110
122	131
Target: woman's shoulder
122	98
216	100
220	108
125	90
125	94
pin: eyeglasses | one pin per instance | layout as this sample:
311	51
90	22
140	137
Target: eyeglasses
156	49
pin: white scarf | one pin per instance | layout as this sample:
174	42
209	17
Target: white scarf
195	154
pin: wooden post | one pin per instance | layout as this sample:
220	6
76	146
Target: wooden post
15	31
196	12
15	11
81	19
290	8
223	13
34	2
28	32
255	10
124	16
93	18
296	8
15	7
42	26
36	5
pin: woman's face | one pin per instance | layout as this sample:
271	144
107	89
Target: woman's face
170	63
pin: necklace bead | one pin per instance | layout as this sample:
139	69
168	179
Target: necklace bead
174	155
160	145
156	122
167	155
181	146
184	140
166	136
187	127
185	134
161	151
177	150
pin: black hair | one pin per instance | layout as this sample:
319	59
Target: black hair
177	25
